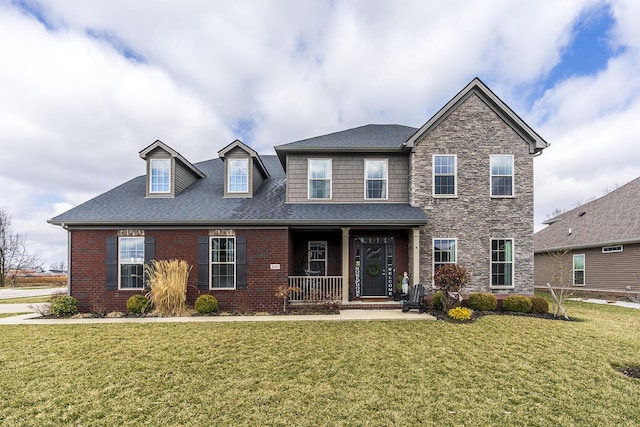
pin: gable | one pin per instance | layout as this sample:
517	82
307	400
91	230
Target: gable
484	94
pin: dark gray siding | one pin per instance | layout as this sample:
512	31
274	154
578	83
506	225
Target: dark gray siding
183	177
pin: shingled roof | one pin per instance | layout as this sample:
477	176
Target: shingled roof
203	203
367	138
611	219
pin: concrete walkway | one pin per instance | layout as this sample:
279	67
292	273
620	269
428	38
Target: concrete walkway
9	293
344	315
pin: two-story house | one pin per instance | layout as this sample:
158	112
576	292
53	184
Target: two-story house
339	216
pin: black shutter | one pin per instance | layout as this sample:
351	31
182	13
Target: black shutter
149	256
149	249
112	263
241	262
203	263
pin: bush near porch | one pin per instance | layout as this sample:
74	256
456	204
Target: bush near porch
499	371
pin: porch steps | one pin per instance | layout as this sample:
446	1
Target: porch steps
371	305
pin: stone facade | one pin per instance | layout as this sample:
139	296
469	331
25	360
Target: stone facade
473	132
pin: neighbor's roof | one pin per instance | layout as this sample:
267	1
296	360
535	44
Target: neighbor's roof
611	219
203	203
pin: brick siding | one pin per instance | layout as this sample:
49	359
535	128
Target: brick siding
264	247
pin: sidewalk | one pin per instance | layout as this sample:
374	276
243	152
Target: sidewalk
9	293
344	315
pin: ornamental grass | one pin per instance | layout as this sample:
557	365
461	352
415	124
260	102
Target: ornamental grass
168	282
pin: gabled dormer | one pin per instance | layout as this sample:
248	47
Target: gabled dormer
244	171
168	173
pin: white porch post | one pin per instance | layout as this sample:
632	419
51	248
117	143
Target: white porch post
415	279
345	264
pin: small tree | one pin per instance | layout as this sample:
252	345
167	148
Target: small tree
13	251
450	279
284	292
560	272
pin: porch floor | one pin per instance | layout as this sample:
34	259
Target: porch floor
359	305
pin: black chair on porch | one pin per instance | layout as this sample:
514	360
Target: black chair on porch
416	299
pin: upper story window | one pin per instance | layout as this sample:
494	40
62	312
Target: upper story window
319	178
131	262
502	176
444	175
160	176
376	172
238	176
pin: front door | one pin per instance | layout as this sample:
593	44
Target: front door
373	270
374	266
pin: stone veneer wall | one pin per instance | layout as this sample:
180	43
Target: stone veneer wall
473	132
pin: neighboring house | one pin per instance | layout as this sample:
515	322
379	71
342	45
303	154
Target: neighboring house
340	216
594	247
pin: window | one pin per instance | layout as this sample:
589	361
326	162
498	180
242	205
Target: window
317	258
131	262
501	176
160	177
375	179
319	178
502	263
223	263
444	175
610	249
578	270
444	252
238	176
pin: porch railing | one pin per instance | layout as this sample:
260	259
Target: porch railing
316	288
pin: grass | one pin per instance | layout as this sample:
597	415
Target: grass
499	370
12	314
26	300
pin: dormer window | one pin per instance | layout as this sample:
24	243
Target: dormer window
168	173
238	176
160	176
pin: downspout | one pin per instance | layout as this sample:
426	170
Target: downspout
68	259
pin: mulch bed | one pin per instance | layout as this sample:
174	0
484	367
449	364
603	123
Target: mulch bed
630	371
441	315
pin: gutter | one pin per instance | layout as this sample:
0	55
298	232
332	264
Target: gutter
588	245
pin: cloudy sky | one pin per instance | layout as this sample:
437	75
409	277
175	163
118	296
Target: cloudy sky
85	85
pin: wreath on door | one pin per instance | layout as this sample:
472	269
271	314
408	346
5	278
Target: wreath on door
374	269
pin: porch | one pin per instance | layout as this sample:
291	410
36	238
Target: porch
355	267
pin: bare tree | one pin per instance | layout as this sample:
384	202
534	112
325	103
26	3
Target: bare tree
13	251
560	272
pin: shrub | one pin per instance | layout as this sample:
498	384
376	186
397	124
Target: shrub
168	282
450	278
206	304
138	304
539	305
436	302
64	306
460	313
483	301
516	303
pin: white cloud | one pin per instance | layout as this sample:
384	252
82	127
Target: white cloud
79	110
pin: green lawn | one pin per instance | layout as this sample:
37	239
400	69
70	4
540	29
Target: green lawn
26	300
500	370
